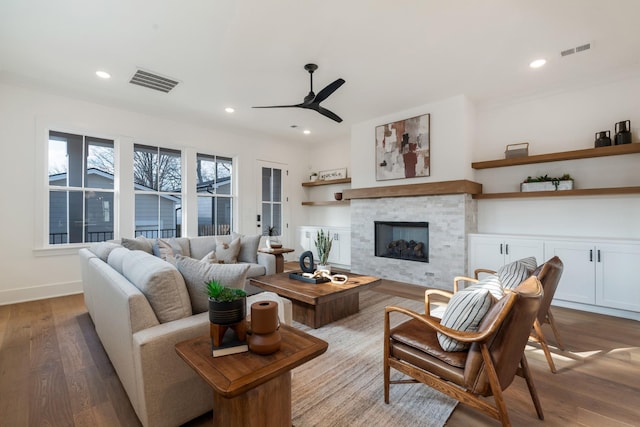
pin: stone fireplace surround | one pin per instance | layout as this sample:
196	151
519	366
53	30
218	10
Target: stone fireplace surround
449	209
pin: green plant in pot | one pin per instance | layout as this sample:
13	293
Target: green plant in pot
226	305
323	246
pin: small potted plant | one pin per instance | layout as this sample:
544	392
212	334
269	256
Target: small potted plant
272	241
226	305
547	183
313	177
323	246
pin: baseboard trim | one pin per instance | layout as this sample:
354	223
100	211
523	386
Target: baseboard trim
33	293
597	309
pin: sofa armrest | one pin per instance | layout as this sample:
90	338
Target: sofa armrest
170	392
268	261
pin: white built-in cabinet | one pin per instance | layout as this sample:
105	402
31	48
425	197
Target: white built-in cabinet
597	272
494	251
340	254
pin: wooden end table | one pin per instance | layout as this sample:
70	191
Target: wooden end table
279	256
250	389
316	305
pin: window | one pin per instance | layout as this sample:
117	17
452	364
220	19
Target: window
271	201
157	186
81	175
215	194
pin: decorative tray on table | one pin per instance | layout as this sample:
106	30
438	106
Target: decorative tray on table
297	275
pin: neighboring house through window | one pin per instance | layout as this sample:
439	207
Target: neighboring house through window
81	175
215	194
157	186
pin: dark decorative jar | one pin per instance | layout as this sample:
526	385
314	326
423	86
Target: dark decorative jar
623	132
603	139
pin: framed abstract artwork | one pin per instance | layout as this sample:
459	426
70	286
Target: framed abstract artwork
402	149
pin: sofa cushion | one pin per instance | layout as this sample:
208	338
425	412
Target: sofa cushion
248	247
161	284
166	248
465	311
255	270
140	243
198	273
512	274
227	253
103	249
201	245
116	258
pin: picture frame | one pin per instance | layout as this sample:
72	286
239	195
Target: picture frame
403	148
332	174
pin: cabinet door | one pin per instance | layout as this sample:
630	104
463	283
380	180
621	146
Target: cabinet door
307	234
618	276
334	255
516	249
577	283
485	252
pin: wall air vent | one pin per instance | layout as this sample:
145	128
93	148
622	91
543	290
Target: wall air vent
153	81
576	49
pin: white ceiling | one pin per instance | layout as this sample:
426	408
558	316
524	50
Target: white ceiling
394	55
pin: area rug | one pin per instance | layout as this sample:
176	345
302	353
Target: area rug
344	386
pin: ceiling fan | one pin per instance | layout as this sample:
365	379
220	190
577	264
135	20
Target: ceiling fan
312	101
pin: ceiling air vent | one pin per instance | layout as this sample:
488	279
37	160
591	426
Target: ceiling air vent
153	81
576	49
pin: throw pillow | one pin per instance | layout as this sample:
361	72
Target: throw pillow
248	247
103	249
492	284
512	274
198	273
140	243
163	249
530	262
227	253
465	311
210	257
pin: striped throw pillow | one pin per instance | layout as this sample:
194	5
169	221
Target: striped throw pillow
465	311
512	274
492	284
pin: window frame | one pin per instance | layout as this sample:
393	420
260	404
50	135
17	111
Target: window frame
215	195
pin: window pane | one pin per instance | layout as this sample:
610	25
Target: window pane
147	212
145	166
58	167
223	215
266	218
266	184
205	173
99	215
224	169
73	153
277	185
169	170
169	215
65	217
277	218
100	163
214	215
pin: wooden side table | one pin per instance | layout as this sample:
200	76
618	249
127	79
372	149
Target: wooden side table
249	389
279	256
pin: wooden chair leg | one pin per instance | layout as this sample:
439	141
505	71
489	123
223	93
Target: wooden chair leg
492	375
386	368
526	373
543	344
554	328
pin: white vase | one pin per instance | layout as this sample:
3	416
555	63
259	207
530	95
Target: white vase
324	267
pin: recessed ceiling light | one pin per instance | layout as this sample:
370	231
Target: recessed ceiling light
229	110
537	63
103	74
306	131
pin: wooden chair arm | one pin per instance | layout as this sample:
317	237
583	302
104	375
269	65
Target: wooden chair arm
468	337
427	300
462	279
477	271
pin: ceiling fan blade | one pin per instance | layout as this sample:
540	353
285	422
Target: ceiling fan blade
330	114
328	90
280	106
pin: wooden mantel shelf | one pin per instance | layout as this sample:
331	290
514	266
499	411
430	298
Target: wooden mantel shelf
425	189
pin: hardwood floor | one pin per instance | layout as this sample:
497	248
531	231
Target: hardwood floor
54	371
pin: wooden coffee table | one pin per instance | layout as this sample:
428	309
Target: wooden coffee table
316	305
250	389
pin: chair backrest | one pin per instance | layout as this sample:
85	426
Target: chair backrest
549	275
507	344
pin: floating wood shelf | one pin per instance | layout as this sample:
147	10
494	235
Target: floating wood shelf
327	203
614	150
560	193
326	182
425	189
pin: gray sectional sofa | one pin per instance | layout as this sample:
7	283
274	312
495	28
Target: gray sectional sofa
141	306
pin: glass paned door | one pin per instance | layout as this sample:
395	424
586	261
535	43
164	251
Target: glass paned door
271	200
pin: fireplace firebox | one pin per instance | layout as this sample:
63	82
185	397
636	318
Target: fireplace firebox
402	240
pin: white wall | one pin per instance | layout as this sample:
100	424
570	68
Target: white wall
450	143
561	122
29	273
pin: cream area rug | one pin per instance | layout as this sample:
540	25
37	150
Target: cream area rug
344	386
